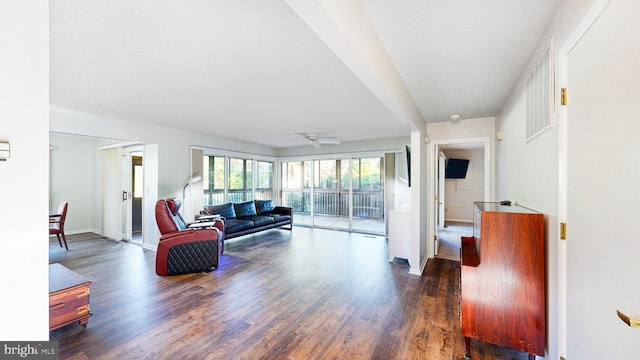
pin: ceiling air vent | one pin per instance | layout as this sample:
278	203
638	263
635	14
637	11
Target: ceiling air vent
540	87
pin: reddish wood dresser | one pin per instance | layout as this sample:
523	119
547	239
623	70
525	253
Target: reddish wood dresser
68	297
503	279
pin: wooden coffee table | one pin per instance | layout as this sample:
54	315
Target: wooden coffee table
68	297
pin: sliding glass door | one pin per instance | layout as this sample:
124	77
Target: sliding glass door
296	190
368	194
331	201
345	194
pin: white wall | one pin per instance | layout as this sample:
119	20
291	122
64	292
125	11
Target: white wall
402	191
72	170
173	145
461	193
528	172
24	178
467	129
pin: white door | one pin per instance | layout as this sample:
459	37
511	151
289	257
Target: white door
603	186
111	163
441	187
438	200
126	196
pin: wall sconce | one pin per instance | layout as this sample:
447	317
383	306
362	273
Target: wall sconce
5	150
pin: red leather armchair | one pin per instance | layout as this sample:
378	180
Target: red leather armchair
183	250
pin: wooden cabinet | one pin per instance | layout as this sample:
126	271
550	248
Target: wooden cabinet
68	297
503	279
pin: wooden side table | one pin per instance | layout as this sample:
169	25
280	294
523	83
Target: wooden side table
68	297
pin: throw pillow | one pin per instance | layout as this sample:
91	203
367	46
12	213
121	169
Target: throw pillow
245	209
225	210
263	206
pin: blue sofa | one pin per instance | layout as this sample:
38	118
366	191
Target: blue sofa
250	217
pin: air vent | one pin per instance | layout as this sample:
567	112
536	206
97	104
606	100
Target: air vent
540	88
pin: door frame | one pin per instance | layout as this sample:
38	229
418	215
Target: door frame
127	188
439	195
433	144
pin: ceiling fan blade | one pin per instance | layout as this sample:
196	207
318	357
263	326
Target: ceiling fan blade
316	144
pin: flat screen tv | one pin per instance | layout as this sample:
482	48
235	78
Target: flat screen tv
456	169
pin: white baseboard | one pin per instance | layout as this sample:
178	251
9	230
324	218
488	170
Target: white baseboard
458	220
80	231
151	247
418	271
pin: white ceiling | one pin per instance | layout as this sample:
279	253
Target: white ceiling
266	71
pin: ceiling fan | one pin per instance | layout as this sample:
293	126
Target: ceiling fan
316	141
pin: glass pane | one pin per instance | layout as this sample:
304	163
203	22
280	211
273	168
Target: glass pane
236	174
137	181
326	177
248	177
237	191
264	179
355	174
371	174
248	174
292	192
213	180
368	198
343	194
326	199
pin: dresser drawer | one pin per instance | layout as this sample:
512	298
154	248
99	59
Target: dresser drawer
70	311
69	295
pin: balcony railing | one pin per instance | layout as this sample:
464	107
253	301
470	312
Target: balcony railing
216	197
365	204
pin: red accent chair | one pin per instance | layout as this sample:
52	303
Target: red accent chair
56	223
184	250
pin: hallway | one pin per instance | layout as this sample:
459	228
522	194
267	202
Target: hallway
450	239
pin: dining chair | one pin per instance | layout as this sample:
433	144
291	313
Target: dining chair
56	223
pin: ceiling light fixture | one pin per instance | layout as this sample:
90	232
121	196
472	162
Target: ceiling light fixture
454	118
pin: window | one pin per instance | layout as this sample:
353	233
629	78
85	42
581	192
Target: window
213	180
325	174
264	180
367	174
231	179
240	180
292	185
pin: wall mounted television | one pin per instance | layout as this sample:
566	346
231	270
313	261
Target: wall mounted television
456	169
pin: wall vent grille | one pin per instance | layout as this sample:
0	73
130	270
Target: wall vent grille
540	90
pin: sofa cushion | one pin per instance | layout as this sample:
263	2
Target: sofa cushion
280	218
259	220
263	206
225	210
236	225
245	209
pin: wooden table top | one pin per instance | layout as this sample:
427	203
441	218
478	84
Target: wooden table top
61	278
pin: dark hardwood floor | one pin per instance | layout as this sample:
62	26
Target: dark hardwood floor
305	294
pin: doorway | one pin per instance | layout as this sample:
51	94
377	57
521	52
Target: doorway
132	194
452	208
137	195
